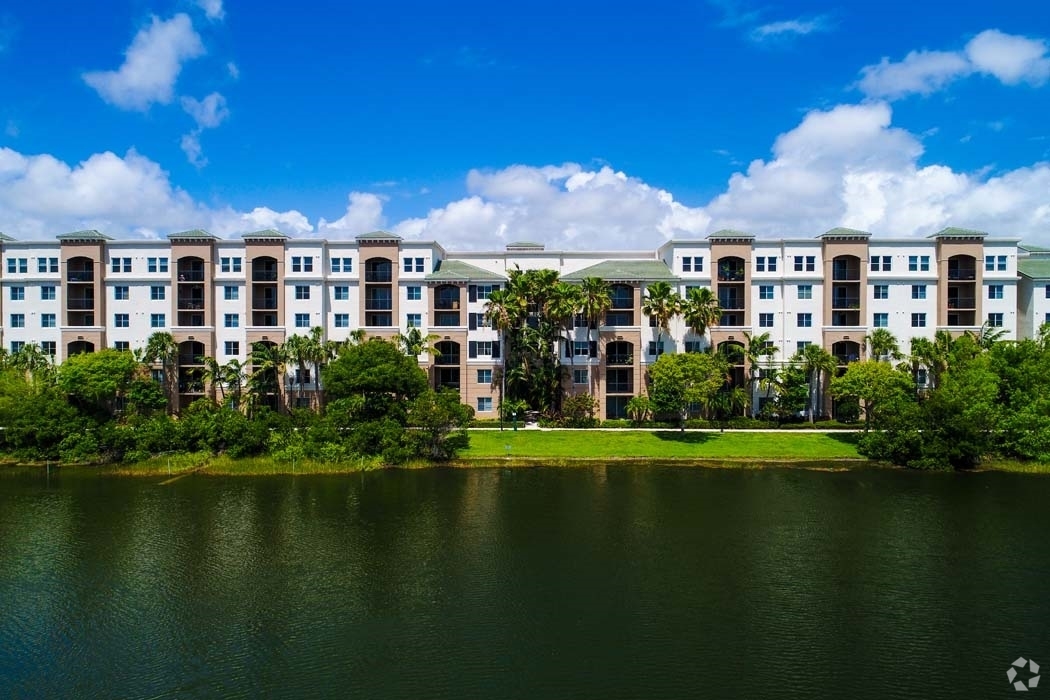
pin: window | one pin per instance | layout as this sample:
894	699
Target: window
155	265
120	292
302	376
766	263
882	320
882	291
414	293
765	291
693	264
342	293
880	262
805	291
918	263
484	347
484	404
157	321
415	321
805	320
419	264
694	346
486	290
122	264
918	291
302	263
121	320
995	320
230	264
17	345
18	320
342	320
47	264
918	320
156	293
302	292
232	347
342	264
1001	263
121	345
17	265
231	320
41	264
581	348
805	264
656	348
408	265
801	345
47	293
302	320
49	347
18	293
580	376
765	320
1046	292
995	291
231	292
47	321
993	263
484	376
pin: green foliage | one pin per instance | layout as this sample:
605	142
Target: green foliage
872	383
678	380
438	424
639	408
95	380
579	411
379	373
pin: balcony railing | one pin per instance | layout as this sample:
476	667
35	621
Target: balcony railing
80	276
191	276
264	275
185	360
962	274
619	359
378	305
962	303
617	387
191	387
846	275
447	359
844	302
730	275
731	303
447	318
265	304
378	276
191	304
446	305
80	304
844	358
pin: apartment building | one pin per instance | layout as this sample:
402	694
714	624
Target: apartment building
218	297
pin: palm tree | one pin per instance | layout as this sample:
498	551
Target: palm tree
986	336
882	344
700	310
933	355
595	303
414	343
662	303
818	364
215	375
758	347
35	363
298	351
161	347
268	362
566	300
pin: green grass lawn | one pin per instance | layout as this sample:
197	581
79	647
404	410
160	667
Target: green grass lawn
589	444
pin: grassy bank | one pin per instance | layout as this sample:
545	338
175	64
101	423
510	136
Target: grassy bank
669	445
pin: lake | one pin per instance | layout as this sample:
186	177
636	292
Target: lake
607	582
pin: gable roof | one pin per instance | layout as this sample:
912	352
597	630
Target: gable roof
728	234
954	232
378	236
267	234
88	235
459	271
843	232
194	234
625	271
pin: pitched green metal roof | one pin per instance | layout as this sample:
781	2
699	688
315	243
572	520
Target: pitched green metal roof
265	233
625	271
843	232
192	233
5	237
525	245
89	235
378	236
953	232
1033	248
1036	268
729	233
459	271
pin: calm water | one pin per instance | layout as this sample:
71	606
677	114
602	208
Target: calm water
531	583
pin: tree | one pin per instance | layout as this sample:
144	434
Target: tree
378	372
882	344
161	347
679	380
268	367
661	304
438	424
758	348
36	364
595	303
872	383
700	310
413	343
818	364
299	350
97	381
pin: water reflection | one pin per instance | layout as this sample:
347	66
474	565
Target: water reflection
607	582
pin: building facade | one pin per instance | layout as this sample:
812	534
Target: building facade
218	297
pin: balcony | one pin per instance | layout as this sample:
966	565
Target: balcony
80	304
190	303
191	275
446	305
191	387
968	303
378	305
264	303
619	359
87	275
731	302
619	387
379	275
730	275
962	275
447	318
446	359
264	275
845	302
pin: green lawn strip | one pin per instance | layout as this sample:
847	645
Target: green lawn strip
657	445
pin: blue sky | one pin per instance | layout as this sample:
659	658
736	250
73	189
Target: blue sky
579	124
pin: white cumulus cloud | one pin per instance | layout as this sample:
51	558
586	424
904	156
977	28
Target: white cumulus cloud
364	213
212	9
790	28
151	65
209	112
1011	59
